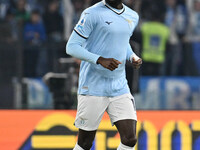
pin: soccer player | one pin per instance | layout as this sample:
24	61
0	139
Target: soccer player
101	41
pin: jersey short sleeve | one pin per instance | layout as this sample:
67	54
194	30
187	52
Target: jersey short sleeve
86	24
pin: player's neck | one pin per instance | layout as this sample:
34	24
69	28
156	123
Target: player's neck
115	4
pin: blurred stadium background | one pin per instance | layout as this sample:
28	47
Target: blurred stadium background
38	80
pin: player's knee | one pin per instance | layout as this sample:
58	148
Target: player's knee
129	141
85	144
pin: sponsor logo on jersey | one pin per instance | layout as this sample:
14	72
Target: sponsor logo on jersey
108	22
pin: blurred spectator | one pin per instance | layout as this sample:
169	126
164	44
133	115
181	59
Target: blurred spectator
6	5
137	6
9	28
10	19
92	2
34	31
78	8
53	21
146	9
194	31
154	40
35	55
182	21
176	20
129	3
169	41
21	12
36	5
67	16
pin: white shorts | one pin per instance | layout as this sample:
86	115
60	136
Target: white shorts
91	109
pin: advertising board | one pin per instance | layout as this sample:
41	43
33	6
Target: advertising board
156	130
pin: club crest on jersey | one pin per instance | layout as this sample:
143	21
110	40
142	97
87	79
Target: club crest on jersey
129	22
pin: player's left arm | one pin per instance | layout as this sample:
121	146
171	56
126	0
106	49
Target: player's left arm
131	56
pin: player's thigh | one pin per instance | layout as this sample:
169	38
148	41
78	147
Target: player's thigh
122	108
86	137
90	111
127	128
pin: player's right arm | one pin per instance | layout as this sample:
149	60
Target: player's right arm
75	49
79	36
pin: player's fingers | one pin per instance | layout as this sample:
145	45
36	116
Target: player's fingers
110	68
118	62
114	64
137	65
134	63
140	61
114	61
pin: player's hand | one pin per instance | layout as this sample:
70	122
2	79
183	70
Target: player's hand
109	63
137	63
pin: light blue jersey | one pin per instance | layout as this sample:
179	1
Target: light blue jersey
103	31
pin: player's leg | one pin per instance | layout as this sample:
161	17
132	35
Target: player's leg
85	140
122	112
89	114
127	131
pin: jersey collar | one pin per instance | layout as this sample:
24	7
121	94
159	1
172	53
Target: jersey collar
113	9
